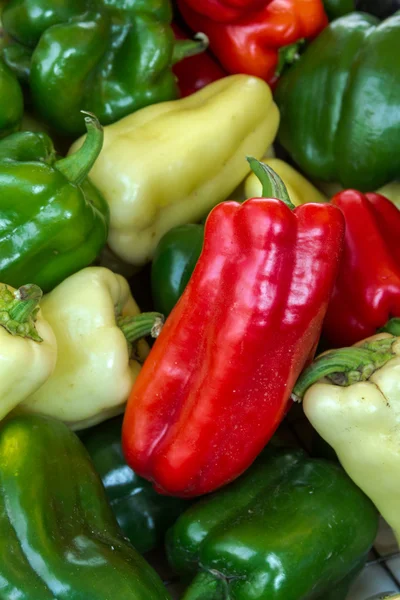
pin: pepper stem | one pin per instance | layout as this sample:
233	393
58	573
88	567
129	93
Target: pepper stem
288	55
392	326
185	48
346	366
139	326
207	586
272	184
77	166
18	310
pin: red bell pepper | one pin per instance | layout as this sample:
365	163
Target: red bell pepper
367	291
218	379
261	36
197	71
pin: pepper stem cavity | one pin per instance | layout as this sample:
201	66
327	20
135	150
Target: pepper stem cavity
140	326
207	586
272	184
185	48
77	166
346	366
19	309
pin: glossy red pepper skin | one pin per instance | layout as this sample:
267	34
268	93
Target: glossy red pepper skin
251	42
367	290
225	11
218	379
195	72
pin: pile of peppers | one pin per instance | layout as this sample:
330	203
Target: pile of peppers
199	243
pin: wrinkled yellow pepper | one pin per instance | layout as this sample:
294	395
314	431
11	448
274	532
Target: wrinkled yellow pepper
28	347
168	164
299	188
95	321
355	407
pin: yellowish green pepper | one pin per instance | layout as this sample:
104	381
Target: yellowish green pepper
99	331
352	398
170	163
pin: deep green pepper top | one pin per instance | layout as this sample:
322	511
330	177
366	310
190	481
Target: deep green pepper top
291	528
59	538
11	101
53	221
143	515
174	260
340	104
110	57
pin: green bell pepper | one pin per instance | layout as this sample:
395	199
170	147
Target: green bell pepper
143	515
380	8
59	537
340	107
110	57
11	101
53	221
291	528
174	261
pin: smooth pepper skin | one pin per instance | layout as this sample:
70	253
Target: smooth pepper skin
339	8
60	540
291	528
251	43
352	400
367	290
11	101
340	117
143	515
217	381
111	56
50	226
174	261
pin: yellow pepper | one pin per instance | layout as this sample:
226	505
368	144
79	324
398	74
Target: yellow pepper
299	188
168	164
352	398
98	327
28	347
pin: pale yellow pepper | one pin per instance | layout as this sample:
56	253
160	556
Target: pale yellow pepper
168	164
93	315
355	407
28	347
299	188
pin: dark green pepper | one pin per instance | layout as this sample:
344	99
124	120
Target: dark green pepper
338	8
110	57
59	537
340	106
11	101
143	515
53	221
291	528
380	8
174	261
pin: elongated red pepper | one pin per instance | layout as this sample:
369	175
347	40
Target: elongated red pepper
261	35
195	72
367	291
218	379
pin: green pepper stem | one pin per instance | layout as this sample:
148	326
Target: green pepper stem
141	325
272	184
288	55
392	326
185	48
77	166
207	586
18	310
346	365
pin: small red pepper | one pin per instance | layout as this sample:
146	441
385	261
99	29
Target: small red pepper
217	382
367	291
260	37
197	71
